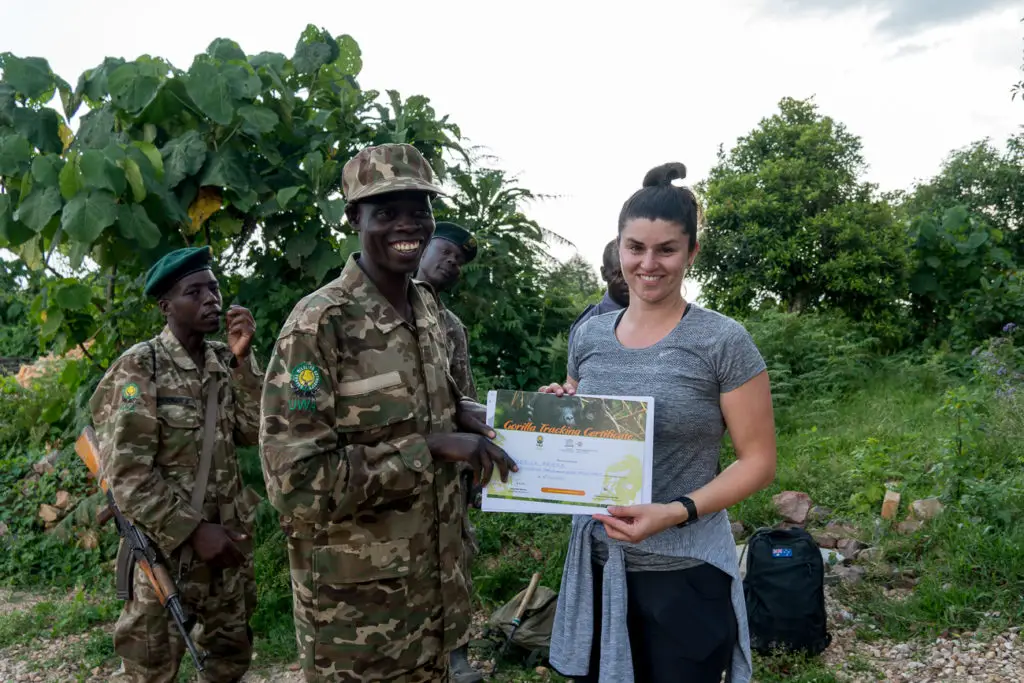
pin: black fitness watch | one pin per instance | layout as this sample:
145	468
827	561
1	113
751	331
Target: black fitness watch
691	510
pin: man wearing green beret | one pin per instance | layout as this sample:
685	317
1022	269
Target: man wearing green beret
362	431
451	248
168	414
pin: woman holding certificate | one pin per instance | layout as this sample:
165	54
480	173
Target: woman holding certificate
652	593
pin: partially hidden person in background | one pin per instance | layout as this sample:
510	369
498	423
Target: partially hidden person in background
150	414
652	593
451	248
616	294
359	446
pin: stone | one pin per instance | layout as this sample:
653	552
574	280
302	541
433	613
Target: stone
45	465
49	513
849	546
89	539
909	526
873	554
842	530
926	509
63	500
824	539
738	531
793	506
294	667
3	529
890	505
541	671
819	514
851	575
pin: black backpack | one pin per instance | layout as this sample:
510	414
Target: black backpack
785	592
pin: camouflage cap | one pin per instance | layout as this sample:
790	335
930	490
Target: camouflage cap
387	168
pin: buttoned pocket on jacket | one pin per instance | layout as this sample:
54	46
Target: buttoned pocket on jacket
179	423
373	408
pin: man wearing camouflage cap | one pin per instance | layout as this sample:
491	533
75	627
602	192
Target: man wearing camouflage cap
451	248
150	415
359	447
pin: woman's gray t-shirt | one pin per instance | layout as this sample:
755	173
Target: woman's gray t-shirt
707	354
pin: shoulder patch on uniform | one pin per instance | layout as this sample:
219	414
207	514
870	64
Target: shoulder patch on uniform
306	379
130	394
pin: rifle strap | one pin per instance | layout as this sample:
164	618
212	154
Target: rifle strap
205	459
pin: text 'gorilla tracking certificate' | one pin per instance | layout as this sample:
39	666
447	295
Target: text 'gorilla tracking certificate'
577	455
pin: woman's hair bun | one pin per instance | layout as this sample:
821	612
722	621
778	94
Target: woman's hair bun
665	174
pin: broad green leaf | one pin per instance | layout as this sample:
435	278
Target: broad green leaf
955	219
350	57
134	224
183	156
977	239
31	252
41	127
70	178
92	84
52	321
933	261
87	215
7	104
77	254
15	154
134	85
46	168
273	60
314	49
225	49
134	176
74	296
12	233
257	120
69	99
320	263
226	168
38	208
286	194
225	224
30	76
923	283
243	201
26	187
99	172
153	154
96	129
216	88
301	246
333	210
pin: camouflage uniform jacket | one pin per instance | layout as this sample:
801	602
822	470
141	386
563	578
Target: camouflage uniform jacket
457	340
149	421
374	523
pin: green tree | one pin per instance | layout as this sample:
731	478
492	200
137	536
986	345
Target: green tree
241	152
788	221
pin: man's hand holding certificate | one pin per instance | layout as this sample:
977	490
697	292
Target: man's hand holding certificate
577	455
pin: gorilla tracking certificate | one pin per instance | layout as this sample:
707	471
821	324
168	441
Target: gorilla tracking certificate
577	455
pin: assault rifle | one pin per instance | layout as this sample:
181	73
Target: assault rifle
137	549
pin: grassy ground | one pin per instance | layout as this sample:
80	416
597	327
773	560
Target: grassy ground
907	425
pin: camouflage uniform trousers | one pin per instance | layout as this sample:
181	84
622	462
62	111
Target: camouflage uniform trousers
222	600
470	547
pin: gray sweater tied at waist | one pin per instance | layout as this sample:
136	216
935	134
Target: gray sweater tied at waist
708	539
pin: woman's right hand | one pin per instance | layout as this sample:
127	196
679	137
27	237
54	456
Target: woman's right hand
567	389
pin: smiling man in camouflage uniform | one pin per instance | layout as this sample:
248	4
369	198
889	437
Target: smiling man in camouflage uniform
149	415
451	248
359	447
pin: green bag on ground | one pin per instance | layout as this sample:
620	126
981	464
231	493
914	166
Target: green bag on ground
534	633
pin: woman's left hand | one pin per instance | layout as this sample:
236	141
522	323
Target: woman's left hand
634	523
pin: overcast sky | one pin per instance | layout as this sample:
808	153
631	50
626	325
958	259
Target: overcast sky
580	102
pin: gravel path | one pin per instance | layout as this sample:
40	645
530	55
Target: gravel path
965	659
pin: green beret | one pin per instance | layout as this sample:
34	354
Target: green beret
457	235
175	265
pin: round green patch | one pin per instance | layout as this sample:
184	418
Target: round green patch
306	379
130	392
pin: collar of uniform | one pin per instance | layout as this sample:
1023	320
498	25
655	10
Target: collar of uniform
375	306
180	356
